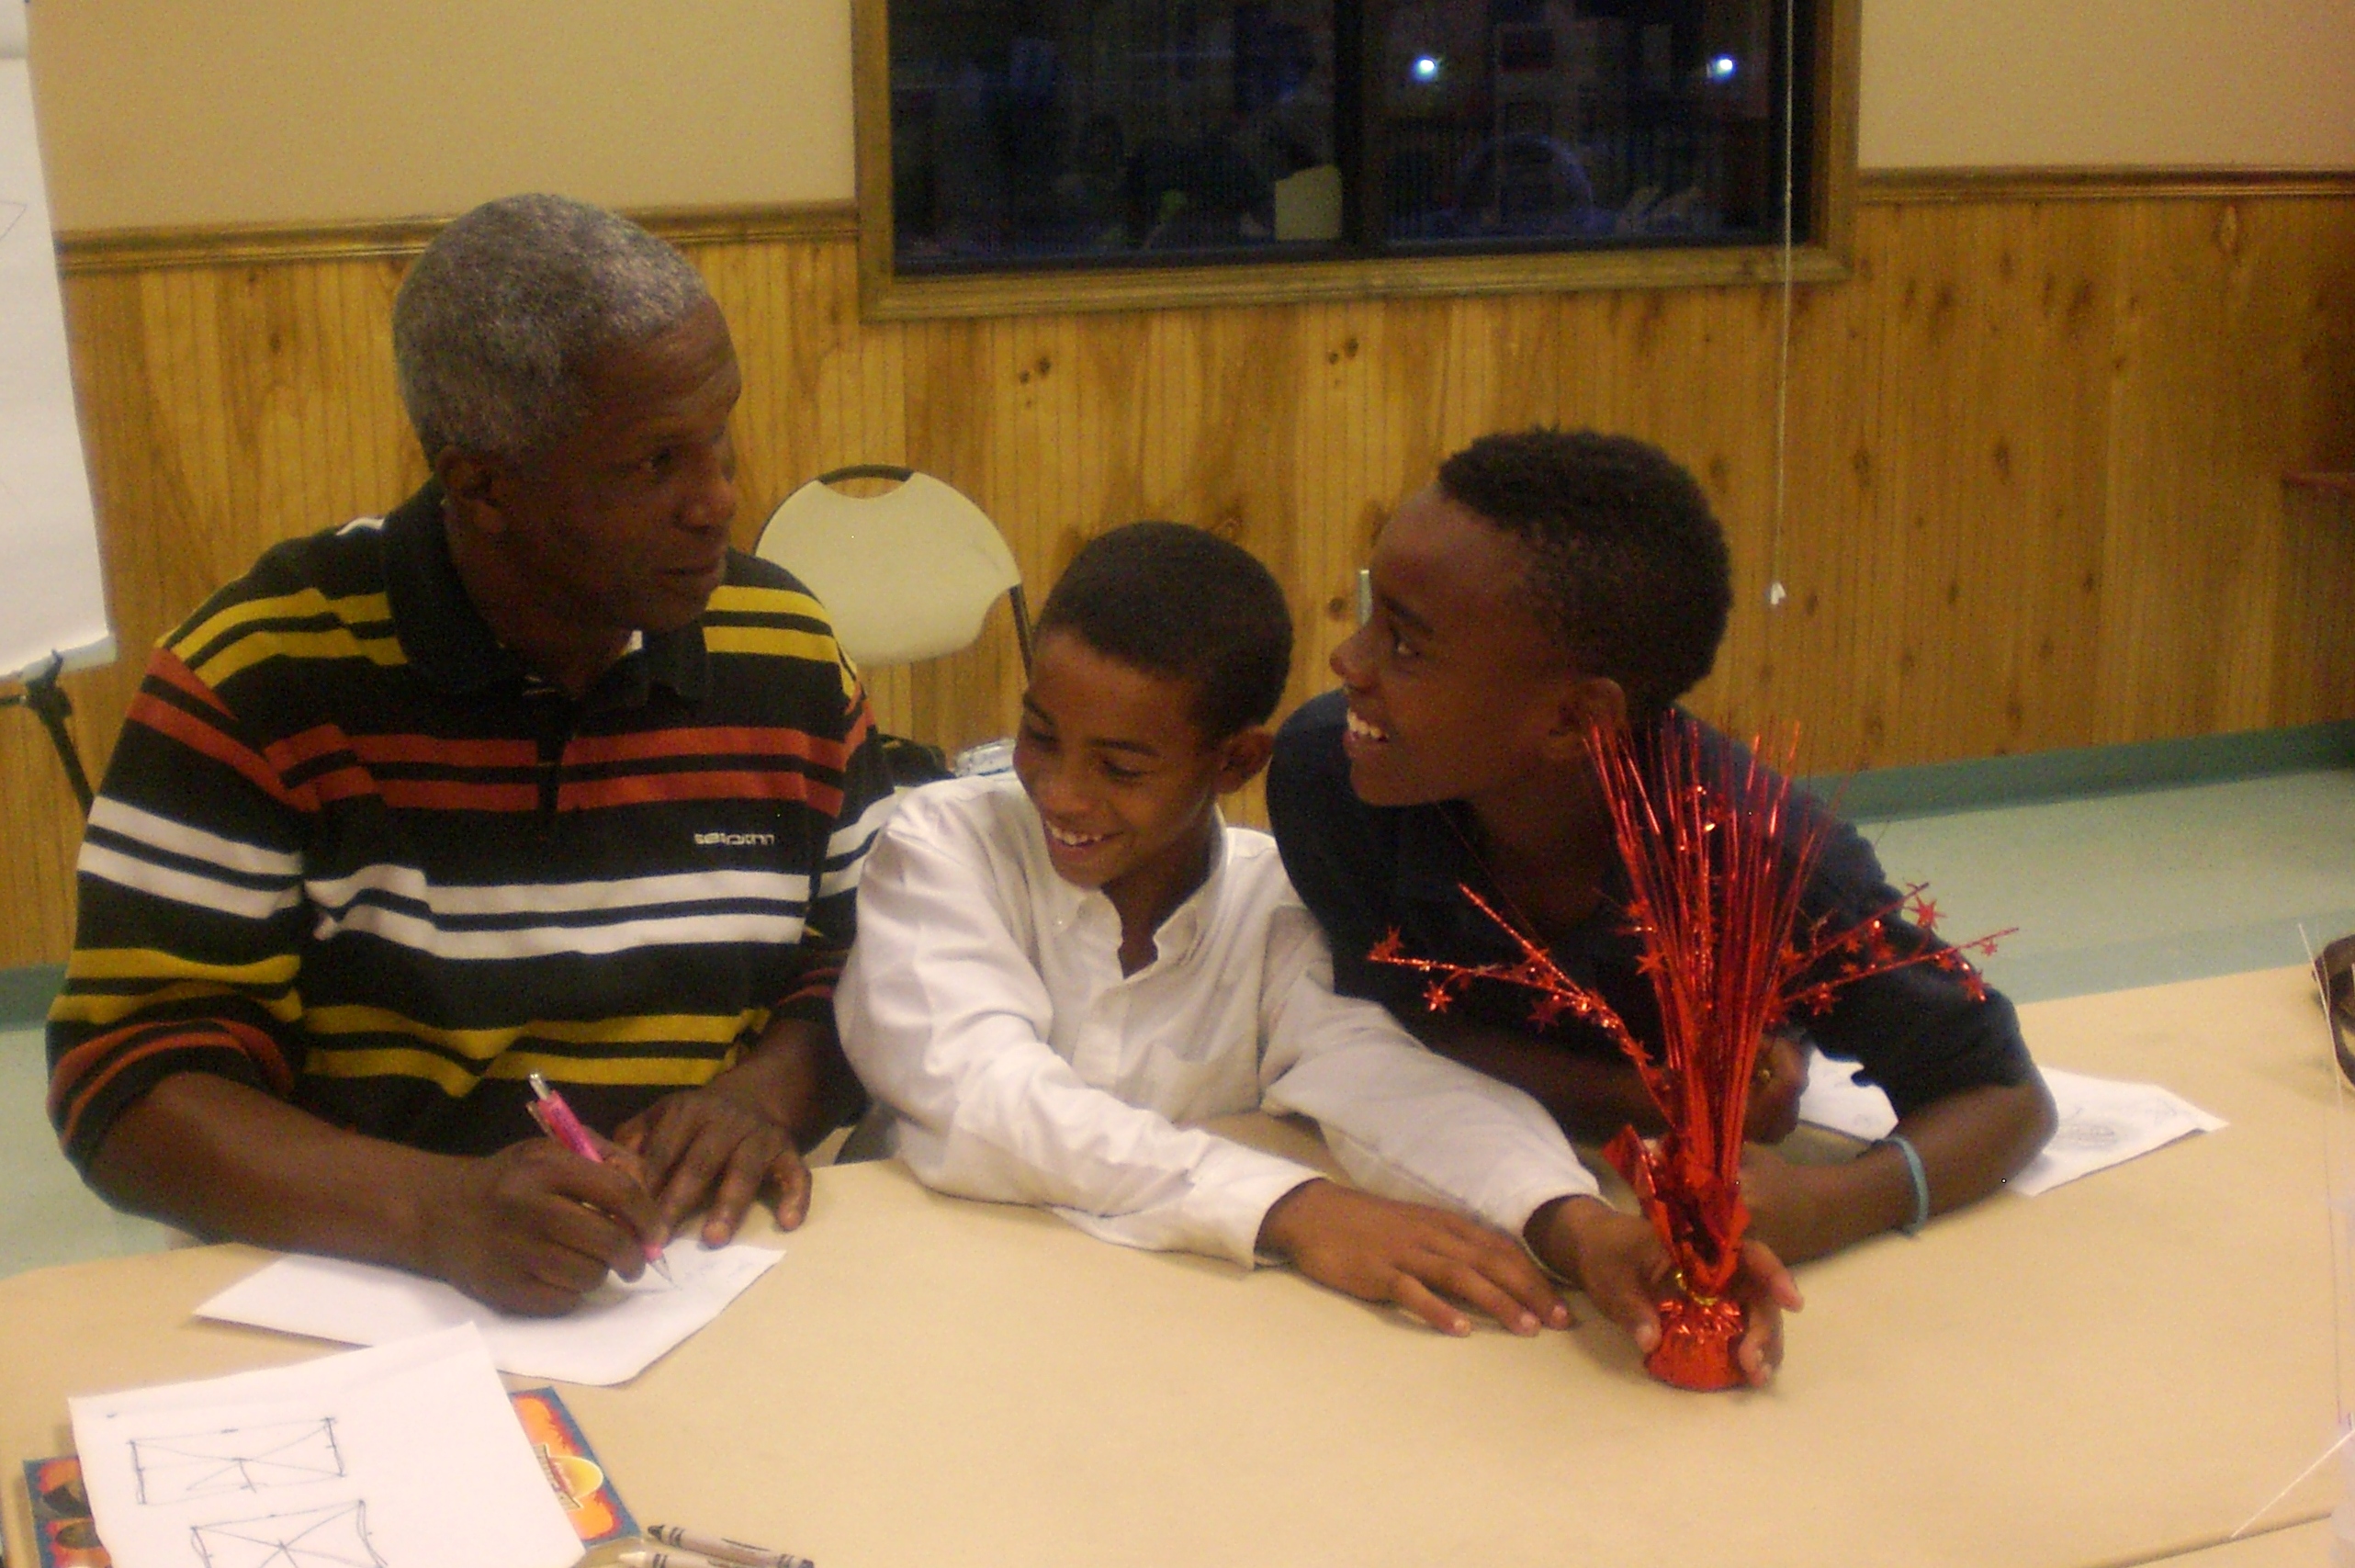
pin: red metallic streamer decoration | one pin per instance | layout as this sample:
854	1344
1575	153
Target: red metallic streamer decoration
1717	859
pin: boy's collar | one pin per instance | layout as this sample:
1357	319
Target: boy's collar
1186	924
1190	922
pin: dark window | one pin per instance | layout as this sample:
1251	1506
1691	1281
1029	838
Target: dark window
1028	133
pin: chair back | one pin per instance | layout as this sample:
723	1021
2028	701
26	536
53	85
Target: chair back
905	575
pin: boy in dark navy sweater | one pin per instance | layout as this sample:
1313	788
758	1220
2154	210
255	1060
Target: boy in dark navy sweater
1548	578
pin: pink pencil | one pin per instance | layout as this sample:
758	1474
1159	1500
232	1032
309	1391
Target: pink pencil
556	1120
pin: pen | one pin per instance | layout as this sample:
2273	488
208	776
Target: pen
556	1120
720	1549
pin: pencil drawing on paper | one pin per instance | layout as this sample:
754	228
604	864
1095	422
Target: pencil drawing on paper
236	1459
332	1537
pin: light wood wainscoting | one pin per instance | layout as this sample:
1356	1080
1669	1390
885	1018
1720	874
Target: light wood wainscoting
2034	491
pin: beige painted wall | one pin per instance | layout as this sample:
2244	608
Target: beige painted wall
165	112
2108	82
220	111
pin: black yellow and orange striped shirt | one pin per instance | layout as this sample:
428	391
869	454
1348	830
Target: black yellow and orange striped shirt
353	851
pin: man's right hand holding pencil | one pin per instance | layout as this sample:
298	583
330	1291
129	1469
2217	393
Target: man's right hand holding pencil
535	1227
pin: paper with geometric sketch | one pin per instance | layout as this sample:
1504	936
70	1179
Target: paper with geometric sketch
405	1456
2102	1122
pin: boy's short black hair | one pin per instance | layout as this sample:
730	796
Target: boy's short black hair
1176	600
1630	572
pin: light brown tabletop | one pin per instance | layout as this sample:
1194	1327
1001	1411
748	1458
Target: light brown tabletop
2118	1371
2299	1546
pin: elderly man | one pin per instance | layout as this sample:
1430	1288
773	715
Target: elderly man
533	774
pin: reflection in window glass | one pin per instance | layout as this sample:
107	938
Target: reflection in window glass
1117	130
1119	133
1580	123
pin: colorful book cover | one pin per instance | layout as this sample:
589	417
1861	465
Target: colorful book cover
66	1536
596	1510
62	1532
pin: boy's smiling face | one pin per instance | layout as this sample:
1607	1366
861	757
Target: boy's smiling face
1456	690
1121	775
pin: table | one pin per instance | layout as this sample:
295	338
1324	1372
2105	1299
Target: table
2112	1373
2299	1546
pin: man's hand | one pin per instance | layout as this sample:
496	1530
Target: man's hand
535	1227
1382	1250
717	1146
1620	1262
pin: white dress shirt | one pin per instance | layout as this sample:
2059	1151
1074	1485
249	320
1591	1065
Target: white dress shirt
984	1008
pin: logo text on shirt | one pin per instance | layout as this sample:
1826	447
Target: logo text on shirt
736	841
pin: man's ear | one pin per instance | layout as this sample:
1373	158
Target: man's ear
1585	700
469	484
1242	755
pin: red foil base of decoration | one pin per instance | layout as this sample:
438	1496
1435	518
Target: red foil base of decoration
1697	1341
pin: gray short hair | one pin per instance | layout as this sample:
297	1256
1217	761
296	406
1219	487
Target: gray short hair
497	322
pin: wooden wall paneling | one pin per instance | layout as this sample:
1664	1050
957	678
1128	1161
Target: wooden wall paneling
740	288
2314	666
41	827
2301	354
2055	279
1037	489
1332	540
1901	618
1714	413
2222	383
1832	507
1346	487
2314	675
2010	491
1952	577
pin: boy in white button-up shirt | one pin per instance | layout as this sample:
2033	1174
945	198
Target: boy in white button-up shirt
1056	971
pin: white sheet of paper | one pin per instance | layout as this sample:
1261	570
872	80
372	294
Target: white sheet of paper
2103	1121
611	1338
52	596
1835	1100
405	1456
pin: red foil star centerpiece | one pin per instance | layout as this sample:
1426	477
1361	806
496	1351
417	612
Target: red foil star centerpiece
1717	857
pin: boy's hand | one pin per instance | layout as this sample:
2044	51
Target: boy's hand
1780	1077
1620	1262
1382	1250
1786	1211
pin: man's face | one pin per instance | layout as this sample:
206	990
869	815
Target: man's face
1454	686
1122	777
623	524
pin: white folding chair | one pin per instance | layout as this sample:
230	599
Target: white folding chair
905	575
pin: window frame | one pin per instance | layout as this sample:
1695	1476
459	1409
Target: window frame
885	295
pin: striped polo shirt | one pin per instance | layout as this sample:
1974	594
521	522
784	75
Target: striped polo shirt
351	851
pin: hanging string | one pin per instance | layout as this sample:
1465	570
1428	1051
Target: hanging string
1774	593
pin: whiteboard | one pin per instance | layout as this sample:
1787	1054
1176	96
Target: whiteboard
52	599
